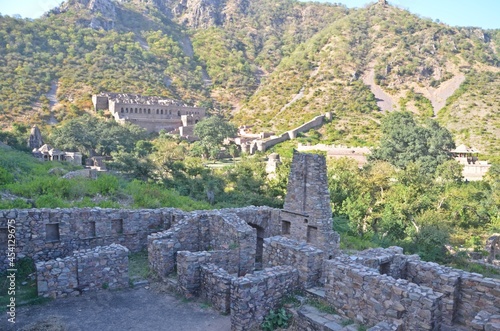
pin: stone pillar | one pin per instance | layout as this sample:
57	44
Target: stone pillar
35	140
307	215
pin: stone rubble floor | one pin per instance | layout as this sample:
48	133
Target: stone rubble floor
140	308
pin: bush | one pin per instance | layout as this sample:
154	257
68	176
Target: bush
5	177
276	319
105	185
50	201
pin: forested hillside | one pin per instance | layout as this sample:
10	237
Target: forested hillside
274	64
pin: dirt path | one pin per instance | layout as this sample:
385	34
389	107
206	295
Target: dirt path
130	309
384	100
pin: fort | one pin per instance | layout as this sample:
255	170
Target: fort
149	112
246	261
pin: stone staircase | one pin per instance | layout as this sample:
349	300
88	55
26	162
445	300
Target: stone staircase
310	317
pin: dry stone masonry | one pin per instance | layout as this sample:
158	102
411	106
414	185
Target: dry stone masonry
306	258
453	299
219	256
307	215
46	234
253	296
87	270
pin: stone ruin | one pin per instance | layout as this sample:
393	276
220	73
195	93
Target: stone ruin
245	261
493	249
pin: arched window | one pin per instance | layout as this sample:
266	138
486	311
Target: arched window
178	113
162	111
157	112
136	110
170	112
126	109
122	109
149	111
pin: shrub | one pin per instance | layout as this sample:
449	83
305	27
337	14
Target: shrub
50	201
276	319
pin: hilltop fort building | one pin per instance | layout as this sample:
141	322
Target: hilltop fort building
151	113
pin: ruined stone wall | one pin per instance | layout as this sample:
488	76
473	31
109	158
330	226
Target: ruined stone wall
266	218
387	261
439	278
464	294
163	246
254	296
307	259
363	294
102	267
203	231
45	234
477	293
94	269
189	268
57	278
216	287
228	231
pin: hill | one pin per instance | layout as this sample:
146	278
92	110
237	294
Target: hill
379	59
273	63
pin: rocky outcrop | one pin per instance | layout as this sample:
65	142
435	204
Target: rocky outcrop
103	12
195	13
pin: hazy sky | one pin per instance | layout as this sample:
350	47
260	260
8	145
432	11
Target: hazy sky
482	13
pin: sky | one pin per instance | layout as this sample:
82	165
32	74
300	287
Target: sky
480	13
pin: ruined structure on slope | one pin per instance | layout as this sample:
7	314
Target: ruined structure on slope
46	152
151	113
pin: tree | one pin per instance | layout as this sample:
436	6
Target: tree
404	141
93	136
450	172
212	131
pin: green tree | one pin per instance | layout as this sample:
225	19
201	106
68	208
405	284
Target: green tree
405	141
449	172
94	136
212	131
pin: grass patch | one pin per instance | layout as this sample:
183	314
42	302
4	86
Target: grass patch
205	305
467	265
138	265
291	301
25	289
322	307
347	322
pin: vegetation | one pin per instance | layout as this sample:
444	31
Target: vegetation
26	293
404	142
212	131
276	319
